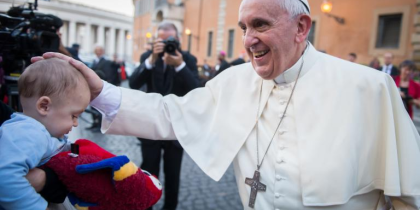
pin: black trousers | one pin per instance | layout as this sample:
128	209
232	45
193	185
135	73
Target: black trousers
172	158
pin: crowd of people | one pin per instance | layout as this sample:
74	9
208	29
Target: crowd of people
404	76
312	117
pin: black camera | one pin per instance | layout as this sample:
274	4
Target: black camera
171	45
24	34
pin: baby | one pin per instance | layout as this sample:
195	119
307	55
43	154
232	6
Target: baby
53	94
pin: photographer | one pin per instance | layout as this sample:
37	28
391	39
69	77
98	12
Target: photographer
165	70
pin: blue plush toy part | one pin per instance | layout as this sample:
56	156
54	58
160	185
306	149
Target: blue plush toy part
120	165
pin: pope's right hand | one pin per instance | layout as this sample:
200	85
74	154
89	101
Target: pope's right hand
95	83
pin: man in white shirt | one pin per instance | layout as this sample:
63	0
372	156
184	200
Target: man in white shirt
388	67
298	135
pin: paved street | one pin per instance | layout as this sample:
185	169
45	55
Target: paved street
197	191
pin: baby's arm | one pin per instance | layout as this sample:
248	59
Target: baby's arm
37	177
20	152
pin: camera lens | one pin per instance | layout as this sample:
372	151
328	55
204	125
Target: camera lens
170	48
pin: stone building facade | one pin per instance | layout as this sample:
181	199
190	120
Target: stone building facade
370	28
87	26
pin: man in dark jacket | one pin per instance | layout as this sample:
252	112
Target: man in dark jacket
74	51
223	64
388	67
240	60
165	73
108	67
108	71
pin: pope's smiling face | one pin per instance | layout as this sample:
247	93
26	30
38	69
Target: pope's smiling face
269	36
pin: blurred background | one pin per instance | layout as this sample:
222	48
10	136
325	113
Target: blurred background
375	33
126	27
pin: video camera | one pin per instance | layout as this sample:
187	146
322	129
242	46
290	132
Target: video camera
24	34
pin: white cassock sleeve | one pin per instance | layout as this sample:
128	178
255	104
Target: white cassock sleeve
108	103
205	121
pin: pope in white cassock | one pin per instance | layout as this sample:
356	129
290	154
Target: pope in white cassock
304	130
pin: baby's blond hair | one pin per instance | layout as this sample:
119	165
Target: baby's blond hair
50	77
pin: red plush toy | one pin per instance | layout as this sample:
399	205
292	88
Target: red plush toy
99	180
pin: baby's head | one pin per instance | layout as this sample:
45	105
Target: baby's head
53	92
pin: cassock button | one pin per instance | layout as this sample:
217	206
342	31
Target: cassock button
282	147
277	195
278	177
283	102
282	132
279	161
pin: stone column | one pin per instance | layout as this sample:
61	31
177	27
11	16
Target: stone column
64	30
221	26
87	48
121	43
111	42
101	35
129	47
72	32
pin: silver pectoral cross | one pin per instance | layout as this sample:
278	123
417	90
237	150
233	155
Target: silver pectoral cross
256	186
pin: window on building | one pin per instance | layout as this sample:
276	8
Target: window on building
389	30
210	44
311	36
159	16
230	43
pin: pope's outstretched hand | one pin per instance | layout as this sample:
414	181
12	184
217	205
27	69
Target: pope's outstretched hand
95	83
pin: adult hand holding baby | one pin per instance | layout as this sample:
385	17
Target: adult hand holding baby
95	83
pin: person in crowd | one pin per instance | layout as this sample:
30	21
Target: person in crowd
352	57
375	63
206	66
108	71
74	51
278	122
108	67
53	94
222	63
409	89
388	67
239	60
165	74
208	73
